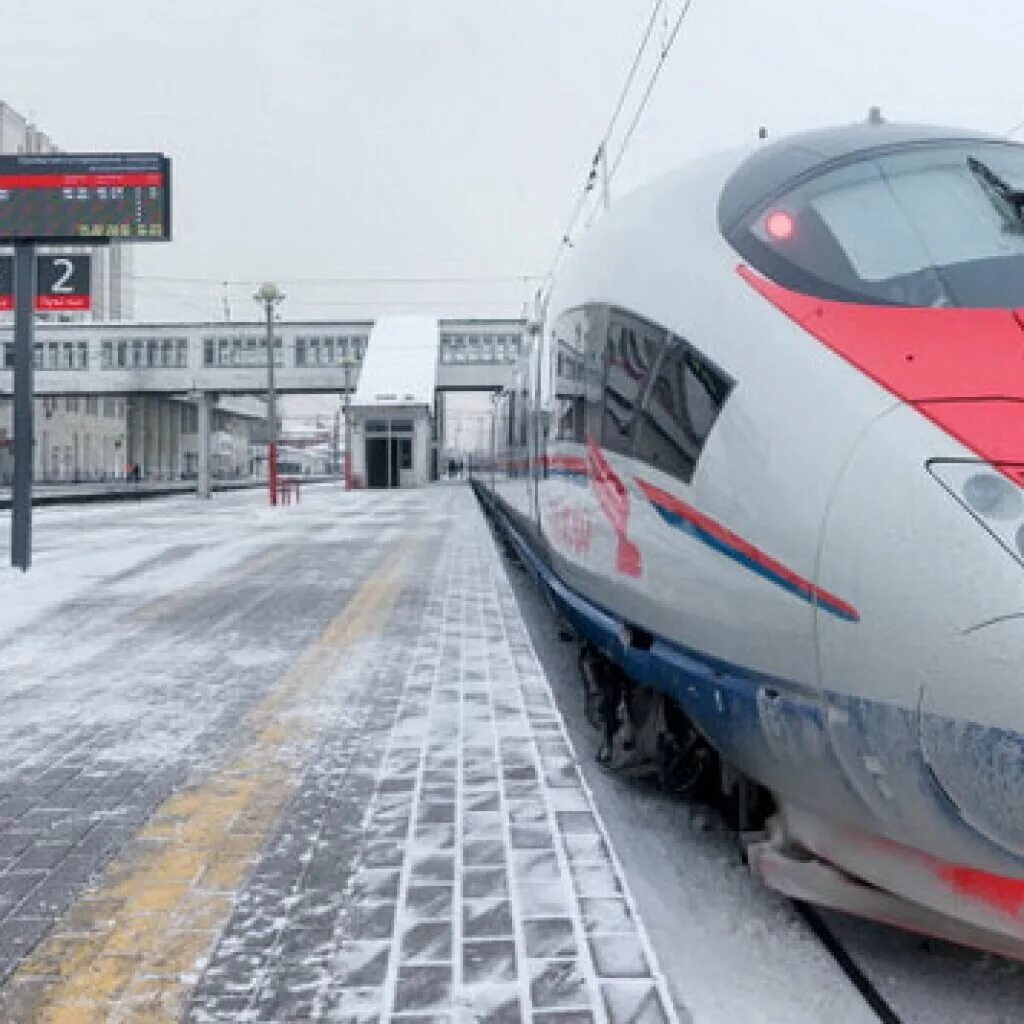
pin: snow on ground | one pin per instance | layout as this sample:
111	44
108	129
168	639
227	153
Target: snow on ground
144	632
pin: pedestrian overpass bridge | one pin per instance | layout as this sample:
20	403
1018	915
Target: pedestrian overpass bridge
230	358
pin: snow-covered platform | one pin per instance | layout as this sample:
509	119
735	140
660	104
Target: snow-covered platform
296	764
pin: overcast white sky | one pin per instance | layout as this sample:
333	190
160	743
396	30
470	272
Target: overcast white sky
433	138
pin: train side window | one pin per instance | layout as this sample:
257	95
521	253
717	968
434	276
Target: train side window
633	348
681	408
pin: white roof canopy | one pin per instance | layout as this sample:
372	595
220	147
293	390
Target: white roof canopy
400	365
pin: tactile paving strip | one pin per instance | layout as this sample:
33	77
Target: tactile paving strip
467	875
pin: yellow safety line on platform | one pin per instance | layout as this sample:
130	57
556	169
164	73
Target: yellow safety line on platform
127	950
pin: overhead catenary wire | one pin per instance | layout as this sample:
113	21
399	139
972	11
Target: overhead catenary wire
220	282
601	155
665	51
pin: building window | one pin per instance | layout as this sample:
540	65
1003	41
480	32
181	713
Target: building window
181	352
71	404
122	354
223	351
67	355
109	408
82	355
37	356
138	352
328	351
209	351
166	352
314	351
8	357
152	352
92	405
300	351
107	355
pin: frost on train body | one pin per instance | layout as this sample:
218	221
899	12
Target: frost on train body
767	452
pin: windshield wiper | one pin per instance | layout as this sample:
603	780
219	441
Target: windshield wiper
1012	197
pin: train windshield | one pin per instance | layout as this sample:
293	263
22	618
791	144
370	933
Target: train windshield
930	226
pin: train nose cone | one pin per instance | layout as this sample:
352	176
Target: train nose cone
972	731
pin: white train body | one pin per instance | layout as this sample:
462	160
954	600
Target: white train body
750	496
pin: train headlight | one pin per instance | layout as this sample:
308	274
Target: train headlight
994	500
992	496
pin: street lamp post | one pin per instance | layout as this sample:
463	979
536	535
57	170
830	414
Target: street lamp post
349	362
270	295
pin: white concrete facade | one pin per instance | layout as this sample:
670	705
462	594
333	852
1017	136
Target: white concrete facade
77	438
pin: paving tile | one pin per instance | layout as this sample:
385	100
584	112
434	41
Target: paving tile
484	882
362	964
550	938
427	942
491	918
558	983
423	989
602	914
429	901
490	960
618	956
631	1003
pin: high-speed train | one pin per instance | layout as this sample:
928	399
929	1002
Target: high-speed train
766	453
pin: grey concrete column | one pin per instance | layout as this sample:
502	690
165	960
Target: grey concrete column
174	438
165	437
135	430
149	462
205	405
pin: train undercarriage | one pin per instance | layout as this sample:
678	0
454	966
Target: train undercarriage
646	737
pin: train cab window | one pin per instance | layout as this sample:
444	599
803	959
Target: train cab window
934	225
632	349
680	409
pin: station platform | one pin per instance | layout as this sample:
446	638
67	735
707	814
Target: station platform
296	764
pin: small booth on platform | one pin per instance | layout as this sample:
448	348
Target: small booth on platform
392	408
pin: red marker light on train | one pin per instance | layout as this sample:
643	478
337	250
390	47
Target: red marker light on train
779	225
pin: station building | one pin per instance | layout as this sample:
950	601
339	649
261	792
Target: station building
392	420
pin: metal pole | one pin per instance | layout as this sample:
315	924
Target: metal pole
24	329
271	407
203	428
348	426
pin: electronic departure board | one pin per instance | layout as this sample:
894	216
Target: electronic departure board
85	197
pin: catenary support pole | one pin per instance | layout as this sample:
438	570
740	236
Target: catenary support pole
203	427
24	329
348	425
271	406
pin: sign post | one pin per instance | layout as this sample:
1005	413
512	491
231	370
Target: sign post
65	199
24	329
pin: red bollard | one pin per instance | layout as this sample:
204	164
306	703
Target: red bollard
272	471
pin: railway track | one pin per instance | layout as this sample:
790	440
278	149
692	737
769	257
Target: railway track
846	963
